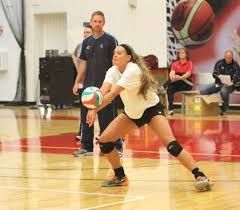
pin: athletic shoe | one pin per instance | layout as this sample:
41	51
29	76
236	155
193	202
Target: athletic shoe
82	152
78	138
223	112
115	181
170	112
202	184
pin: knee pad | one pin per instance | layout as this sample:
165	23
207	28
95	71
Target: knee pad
106	147
174	148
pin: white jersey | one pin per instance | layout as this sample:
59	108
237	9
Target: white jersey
130	80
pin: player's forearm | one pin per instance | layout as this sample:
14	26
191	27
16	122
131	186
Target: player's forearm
215	75
108	98
81	71
216	71
186	75
172	75
75	62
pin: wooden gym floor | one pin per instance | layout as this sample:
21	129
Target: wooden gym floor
38	171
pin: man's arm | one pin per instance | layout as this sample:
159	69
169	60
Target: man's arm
76	61
80	75
216	71
172	75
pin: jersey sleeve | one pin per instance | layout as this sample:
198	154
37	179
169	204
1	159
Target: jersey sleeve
109	77
190	66
216	70
173	66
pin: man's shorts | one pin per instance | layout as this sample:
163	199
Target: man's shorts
148	114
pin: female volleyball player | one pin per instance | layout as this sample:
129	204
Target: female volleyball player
130	78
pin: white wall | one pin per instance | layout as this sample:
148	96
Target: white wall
143	27
8	78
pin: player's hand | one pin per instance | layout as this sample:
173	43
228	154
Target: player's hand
173	78
75	89
177	77
228	85
91	116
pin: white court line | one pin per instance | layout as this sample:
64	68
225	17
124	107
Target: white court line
70	192
115	203
132	198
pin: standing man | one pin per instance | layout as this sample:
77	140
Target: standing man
76	60
95	60
223	67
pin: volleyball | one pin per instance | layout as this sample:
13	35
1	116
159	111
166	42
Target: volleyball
91	97
192	22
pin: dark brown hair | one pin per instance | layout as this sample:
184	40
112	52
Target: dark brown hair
88	26
100	13
147	80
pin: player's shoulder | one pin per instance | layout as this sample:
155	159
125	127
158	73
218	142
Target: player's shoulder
88	39
132	68
235	63
220	61
112	70
189	62
175	63
110	36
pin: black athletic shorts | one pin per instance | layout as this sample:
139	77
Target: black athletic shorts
148	114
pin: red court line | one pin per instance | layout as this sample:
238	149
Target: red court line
23	116
17	116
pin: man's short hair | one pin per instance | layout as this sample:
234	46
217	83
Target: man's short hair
100	13
228	51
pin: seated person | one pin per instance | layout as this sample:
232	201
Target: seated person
180	77
226	66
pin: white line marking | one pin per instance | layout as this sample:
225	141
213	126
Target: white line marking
71	192
132	198
115	203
